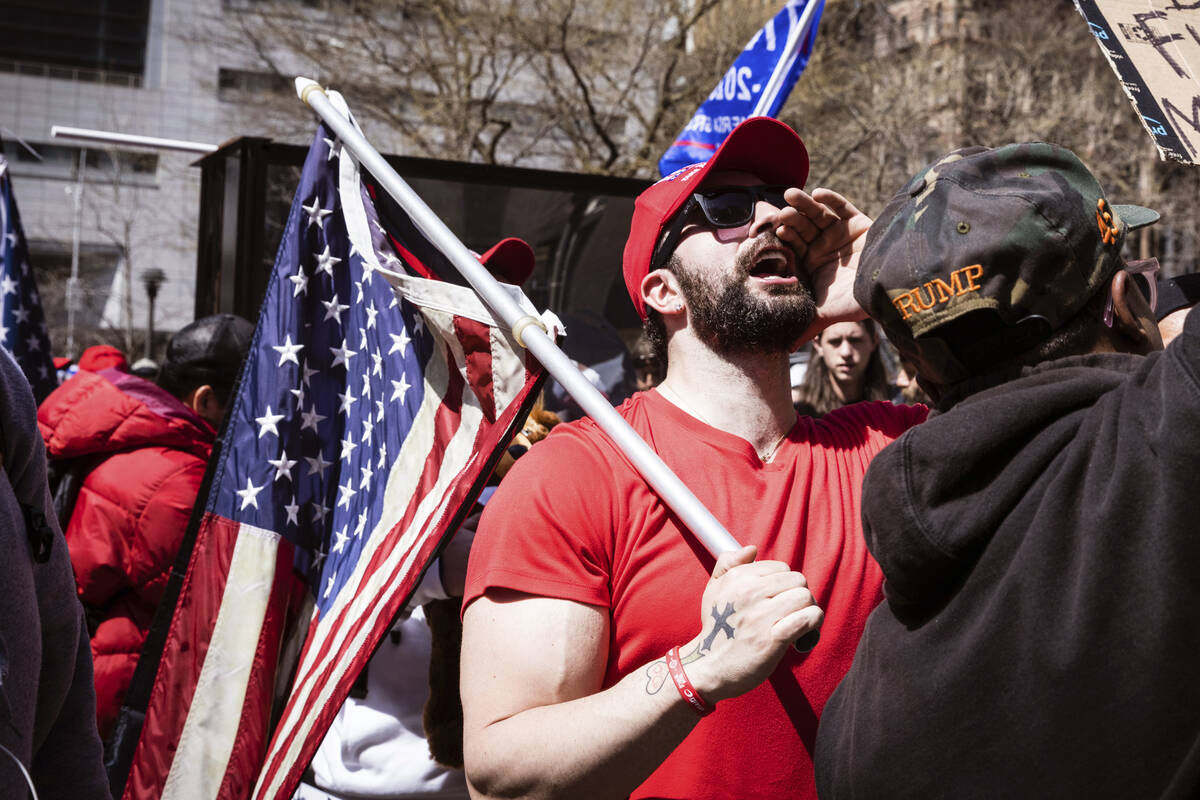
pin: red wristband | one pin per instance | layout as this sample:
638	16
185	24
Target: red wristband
686	690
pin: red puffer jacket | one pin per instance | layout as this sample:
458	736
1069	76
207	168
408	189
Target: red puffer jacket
132	509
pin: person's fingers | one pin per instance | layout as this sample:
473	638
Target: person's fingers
756	570
787	602
834	203
794	625
728	560
834	257
825	221
749	576
791	220
793	239
811	207
779	583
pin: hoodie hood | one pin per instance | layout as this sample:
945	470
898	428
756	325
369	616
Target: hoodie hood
111	411
934	499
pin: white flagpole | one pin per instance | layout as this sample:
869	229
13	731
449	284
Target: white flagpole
528	331
791	48
531	334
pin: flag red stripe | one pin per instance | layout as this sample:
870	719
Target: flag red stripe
477	344
183	657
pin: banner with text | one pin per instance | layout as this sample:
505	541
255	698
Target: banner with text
1154	47
755	86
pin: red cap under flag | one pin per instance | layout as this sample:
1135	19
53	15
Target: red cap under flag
511	260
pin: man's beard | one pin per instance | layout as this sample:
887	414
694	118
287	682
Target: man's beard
730	319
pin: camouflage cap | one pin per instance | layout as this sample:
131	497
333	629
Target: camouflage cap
1022	230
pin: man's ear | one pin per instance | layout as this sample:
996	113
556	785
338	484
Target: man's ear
660	291
203	400
1132	316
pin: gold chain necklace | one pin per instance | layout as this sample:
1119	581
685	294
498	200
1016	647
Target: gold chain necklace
766	459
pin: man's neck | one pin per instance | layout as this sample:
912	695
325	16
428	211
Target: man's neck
745	394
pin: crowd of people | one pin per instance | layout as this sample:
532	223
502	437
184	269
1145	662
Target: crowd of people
967	571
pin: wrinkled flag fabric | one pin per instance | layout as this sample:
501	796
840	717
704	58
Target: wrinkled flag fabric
371	409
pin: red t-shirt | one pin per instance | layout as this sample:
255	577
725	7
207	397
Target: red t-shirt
574	520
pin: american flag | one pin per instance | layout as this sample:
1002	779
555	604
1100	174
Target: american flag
371	409
22	324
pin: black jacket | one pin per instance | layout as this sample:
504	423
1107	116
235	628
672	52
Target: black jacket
1040	544
47	703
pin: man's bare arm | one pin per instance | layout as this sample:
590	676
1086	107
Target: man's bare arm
535	721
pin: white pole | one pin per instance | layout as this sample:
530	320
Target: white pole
73	281
529	332
532	336
111	137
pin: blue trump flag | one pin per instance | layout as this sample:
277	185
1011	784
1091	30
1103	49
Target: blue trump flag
22	324
755	86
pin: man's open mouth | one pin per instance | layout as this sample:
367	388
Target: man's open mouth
773	264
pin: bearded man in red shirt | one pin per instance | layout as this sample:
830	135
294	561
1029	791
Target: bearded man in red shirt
588	605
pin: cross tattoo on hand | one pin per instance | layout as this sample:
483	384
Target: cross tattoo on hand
722	624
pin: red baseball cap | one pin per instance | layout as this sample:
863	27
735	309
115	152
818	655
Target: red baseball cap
762	146
510	259
102	356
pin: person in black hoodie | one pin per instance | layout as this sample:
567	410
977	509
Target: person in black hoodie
48	737
1041	555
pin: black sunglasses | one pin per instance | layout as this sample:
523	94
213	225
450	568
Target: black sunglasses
719	207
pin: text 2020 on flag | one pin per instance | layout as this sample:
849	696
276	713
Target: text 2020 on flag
371	408
756	85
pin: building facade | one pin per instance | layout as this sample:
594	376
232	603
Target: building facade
116	65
